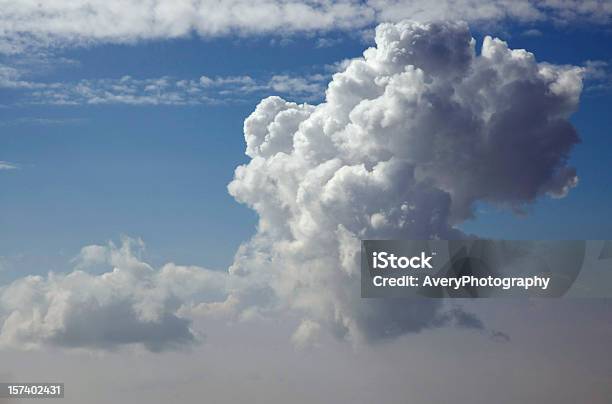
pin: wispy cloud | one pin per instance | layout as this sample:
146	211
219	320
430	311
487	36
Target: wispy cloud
599	76
41	121
26	25
328	42
5	165
532	33
163	90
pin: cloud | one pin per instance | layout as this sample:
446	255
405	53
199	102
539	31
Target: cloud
43	121
327	42
407	140
5	165
27	25
132	303
10	77
500	336
129	90
532	33
305	336
598	75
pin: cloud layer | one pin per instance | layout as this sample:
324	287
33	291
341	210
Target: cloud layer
28	24
409	137
129	90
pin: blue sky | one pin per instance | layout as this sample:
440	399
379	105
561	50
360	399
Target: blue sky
90	173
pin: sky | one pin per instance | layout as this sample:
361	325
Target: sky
164	225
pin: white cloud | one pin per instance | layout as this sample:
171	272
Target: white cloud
408	139
161	91
5	165
328	42
42	121
285	84
532	33
10	77
132	303
305	336
30	24
599	75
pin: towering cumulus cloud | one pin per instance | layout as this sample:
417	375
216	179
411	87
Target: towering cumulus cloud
409	137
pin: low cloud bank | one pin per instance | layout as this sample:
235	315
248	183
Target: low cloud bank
132	303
